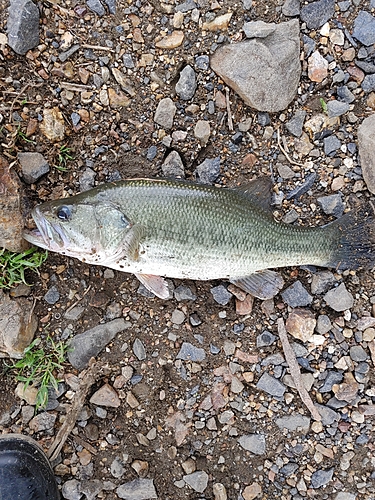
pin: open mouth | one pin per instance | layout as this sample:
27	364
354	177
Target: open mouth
45	235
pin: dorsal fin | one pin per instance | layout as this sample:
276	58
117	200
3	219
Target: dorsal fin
259	191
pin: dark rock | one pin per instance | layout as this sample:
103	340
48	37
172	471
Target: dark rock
187	83
291	8
365	66
186	6
202	62
308	45
368	84
337	108
364	28
296	295
357	353
96	6
173	167
332	205
321	281
189	352
23	26
111	4
221	295
138	489
209	170
315	14
331	144
65	55
331	379
271	385
265	339
295	125
303	188
321	477
33	166
52	296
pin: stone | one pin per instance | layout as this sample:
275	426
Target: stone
117	99
124	82
271	385
368	84
294	423
52	296
183	292
96	7
219	491
106	396
209	170
264	72
11	209
321	477
331	144
202	131
315	14
221	295
189	352
301	324
173	167
33	166
198	480
345	95
42	422
357	353
366	147
187	83
165	112
331	379
18	325
91	342
23	26
364	28
171	41
255	443
296	295
337	108
344	495
295	124
252	491
332	205
258	29
339	299
317	67
71	489
219	23
265	339
53	125
291	8
139	350
138	489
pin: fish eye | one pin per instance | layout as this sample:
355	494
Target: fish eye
64	213
124	221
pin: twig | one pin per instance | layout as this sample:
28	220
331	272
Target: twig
285	153
230	121
96	47
89	377
295	371
76	302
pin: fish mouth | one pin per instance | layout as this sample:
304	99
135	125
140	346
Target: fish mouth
46	235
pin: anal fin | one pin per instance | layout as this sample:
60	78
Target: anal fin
262	284
155	284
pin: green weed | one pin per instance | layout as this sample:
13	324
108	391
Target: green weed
14	265
324	105
63	157
39	366
21	135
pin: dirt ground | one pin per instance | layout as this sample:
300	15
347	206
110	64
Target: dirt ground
168	434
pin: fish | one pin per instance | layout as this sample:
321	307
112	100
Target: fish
160	228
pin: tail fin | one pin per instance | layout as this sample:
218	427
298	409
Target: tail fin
355	239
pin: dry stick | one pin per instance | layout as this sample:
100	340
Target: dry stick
230	121
89	377
78	300
285	153
295	371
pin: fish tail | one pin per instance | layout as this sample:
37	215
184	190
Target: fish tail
353	239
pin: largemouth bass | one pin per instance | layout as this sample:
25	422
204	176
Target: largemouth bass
177	229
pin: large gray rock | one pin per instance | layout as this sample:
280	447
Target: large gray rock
366	147
264	71
23	26
33	166
90	343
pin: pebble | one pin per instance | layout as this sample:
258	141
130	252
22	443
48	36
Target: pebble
52	296
91	342
33	166
187	83
219	491
106	396
291	8
209	170
294	423
255	443
198	480
23	26
259	63
317	67
164	114
331	144
301	324
189	352
344	495
331	205
219	23
252	491
357	353
296	295
295	125
202	62
271	385
315	14
53	125
71	489
331	379
96	7
42	422
364	28
368	84
183	292
173	167
138	489
171	41
265	339
321	477
366	147
339	299
202	131
139	349
178	317
337	108
221	295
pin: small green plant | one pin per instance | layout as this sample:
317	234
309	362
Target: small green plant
39	367
21	135
324	105
13	265
63	157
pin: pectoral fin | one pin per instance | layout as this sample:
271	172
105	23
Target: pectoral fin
263	284
155	284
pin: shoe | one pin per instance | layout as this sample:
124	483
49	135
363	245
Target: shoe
25	472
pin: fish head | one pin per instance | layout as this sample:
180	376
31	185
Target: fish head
92	232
